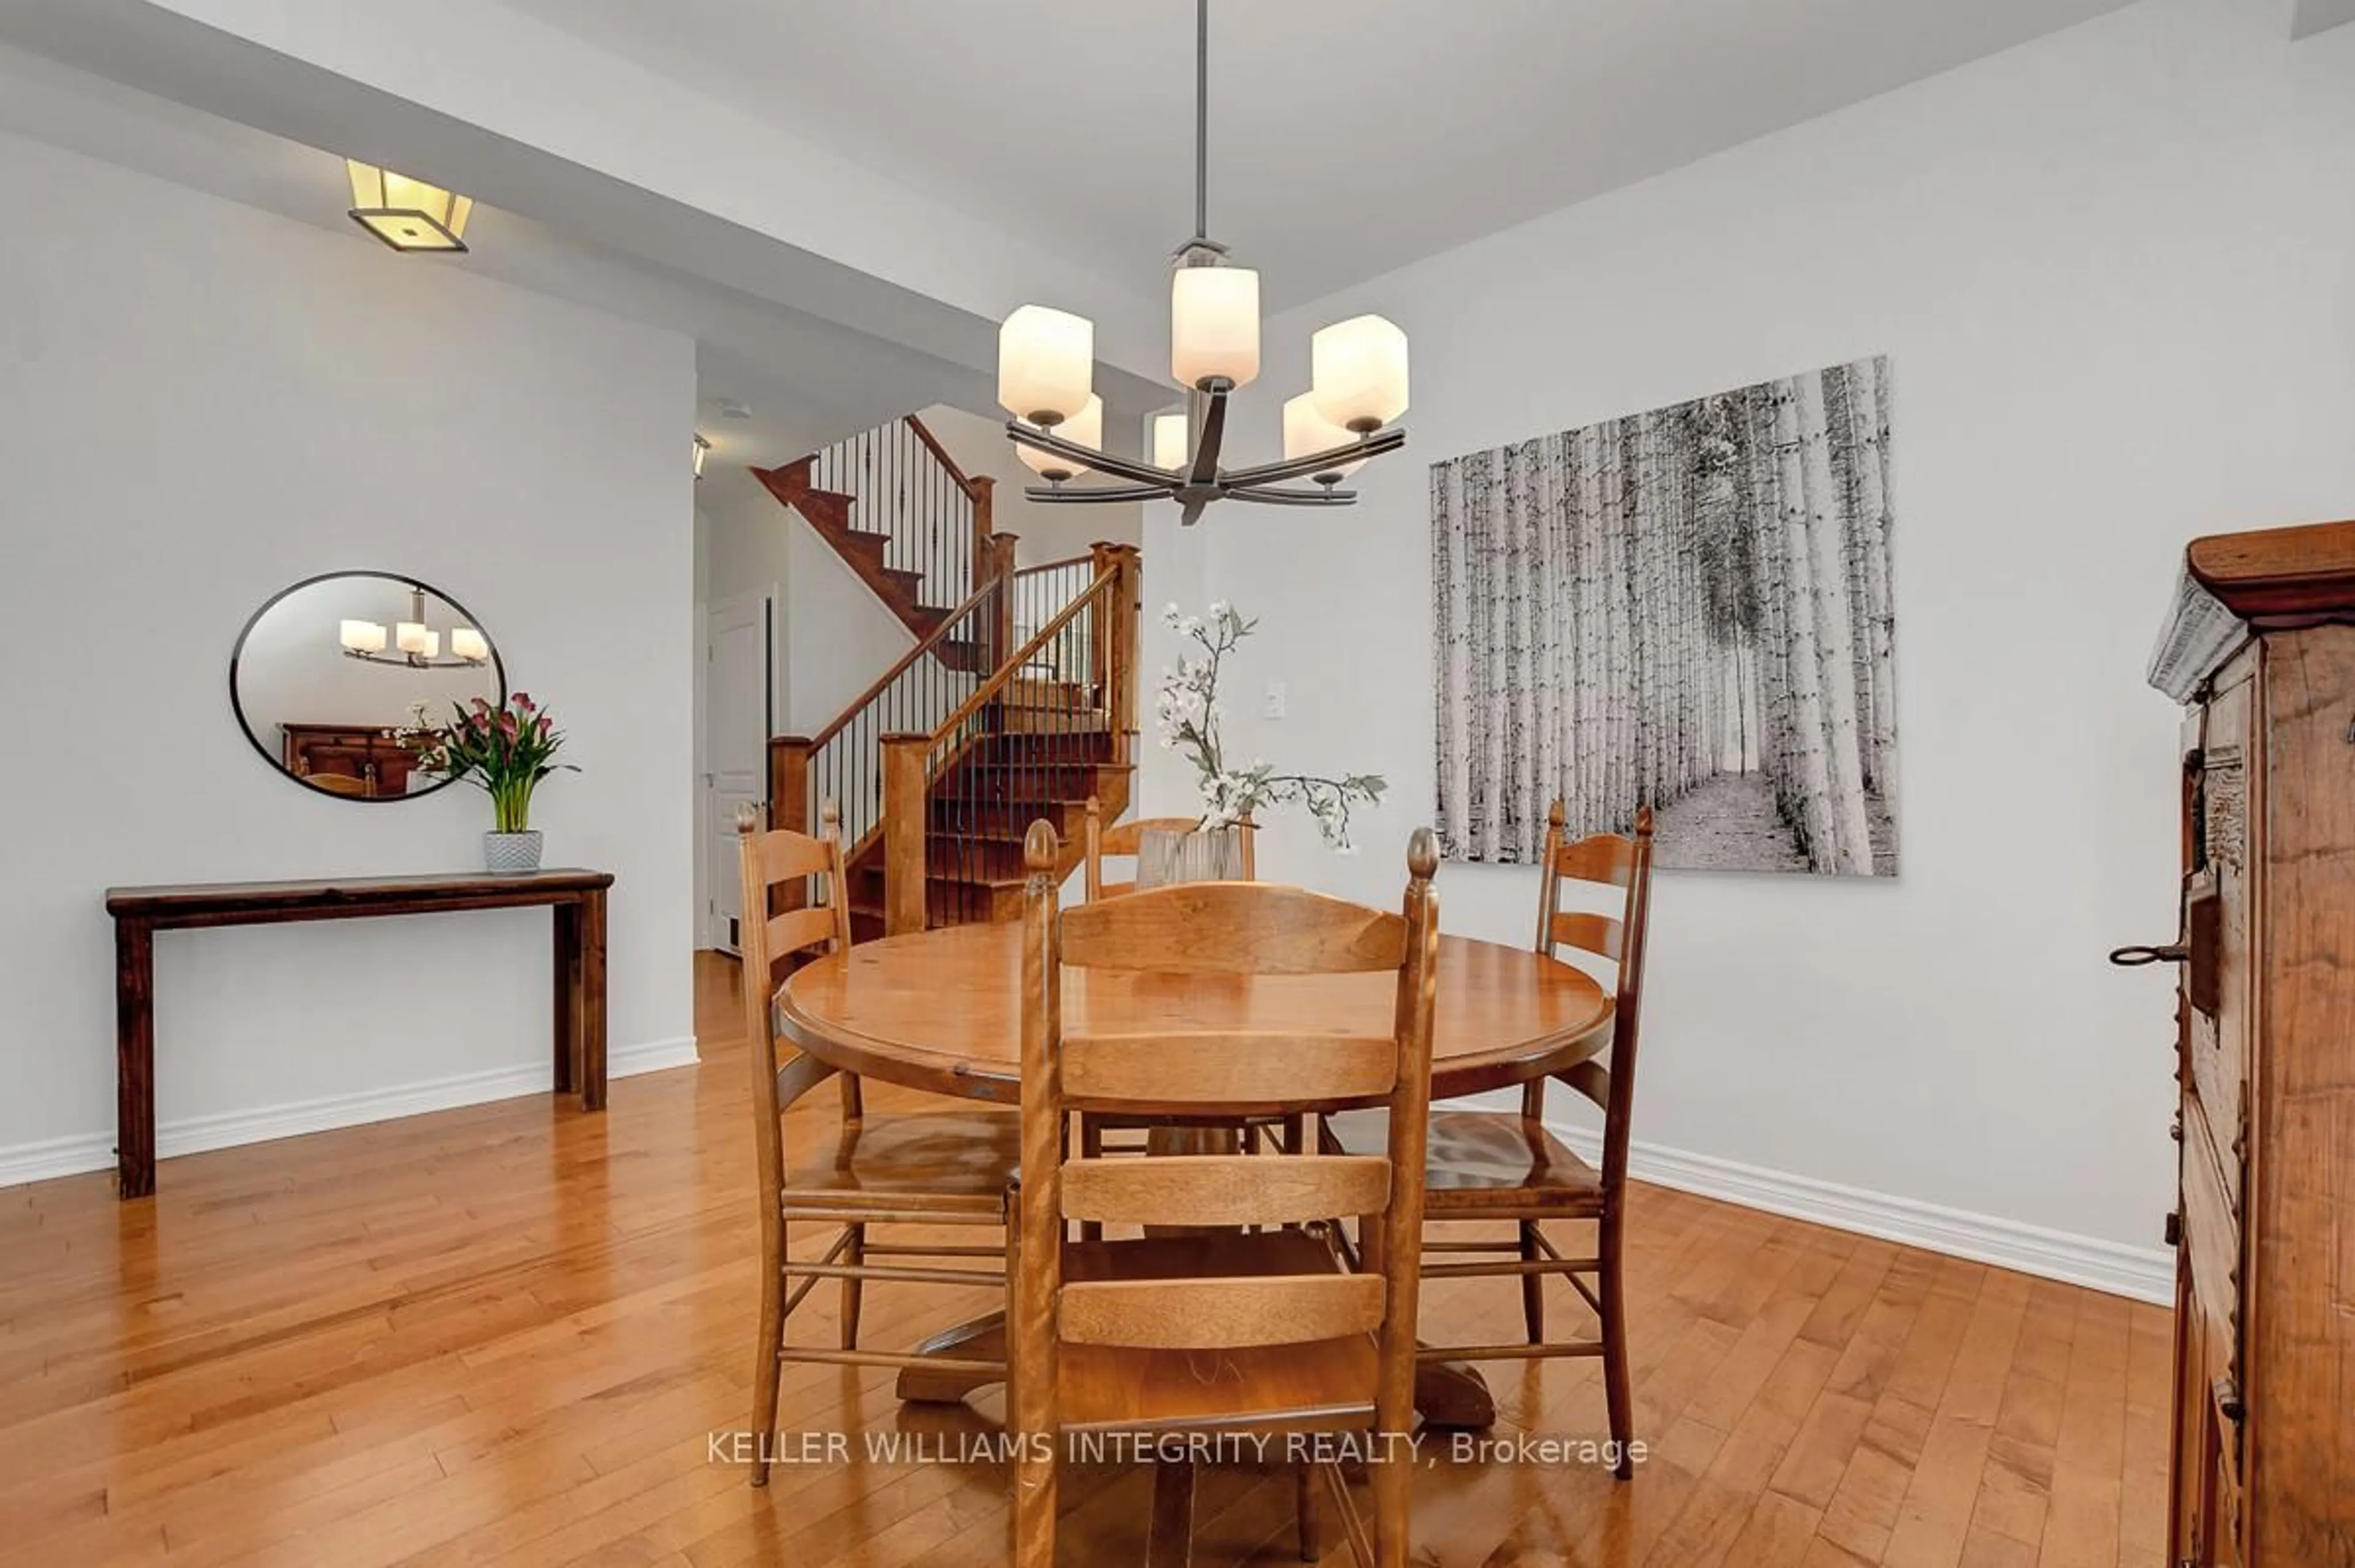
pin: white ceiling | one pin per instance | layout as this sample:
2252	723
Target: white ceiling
1349	137
806	381
2314	16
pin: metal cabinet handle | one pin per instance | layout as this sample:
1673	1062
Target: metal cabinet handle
2228	1401
2130	957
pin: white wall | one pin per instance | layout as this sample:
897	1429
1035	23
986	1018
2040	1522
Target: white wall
1044	532
204	404
2115	272
834	636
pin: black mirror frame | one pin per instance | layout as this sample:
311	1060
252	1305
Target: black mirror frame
237	653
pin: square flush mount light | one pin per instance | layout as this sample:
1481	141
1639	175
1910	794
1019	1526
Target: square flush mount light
407	214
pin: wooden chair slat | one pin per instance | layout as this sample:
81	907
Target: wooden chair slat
1233	928
797	929
1603	858
1225	1189
1230	1069
1126	838
1596	934
781	855
1220	1314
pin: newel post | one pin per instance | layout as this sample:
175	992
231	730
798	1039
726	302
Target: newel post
906	815
789	766
789	808
981	488
1116	644
1002	569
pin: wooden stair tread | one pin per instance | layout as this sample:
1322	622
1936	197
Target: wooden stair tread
1074	765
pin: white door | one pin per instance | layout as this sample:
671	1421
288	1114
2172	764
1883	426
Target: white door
736	709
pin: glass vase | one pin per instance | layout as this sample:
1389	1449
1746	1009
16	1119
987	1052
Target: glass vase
1167	854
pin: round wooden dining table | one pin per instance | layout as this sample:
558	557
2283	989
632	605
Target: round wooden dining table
940	1011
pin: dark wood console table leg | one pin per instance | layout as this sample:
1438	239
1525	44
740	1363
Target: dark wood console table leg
135	1058
592	1001
565	969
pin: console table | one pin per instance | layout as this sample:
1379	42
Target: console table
575	897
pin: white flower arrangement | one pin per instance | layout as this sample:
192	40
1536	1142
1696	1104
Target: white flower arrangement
1186	714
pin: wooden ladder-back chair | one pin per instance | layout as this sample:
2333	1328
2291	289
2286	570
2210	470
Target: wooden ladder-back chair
1268	1332
951	1168
1501	1166
1121	841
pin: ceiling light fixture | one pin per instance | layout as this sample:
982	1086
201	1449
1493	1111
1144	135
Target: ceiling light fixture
420	645
407	214
701	446
1046	369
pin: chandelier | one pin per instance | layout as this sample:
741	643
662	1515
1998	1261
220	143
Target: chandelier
420	645
1046	368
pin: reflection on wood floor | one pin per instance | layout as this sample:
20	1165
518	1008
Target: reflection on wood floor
503	1335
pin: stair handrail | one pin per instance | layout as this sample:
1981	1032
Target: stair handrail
913	762
965	482
793	757
1011	667
933	639
978	489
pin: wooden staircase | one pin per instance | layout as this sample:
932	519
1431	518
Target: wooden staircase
976	816
936	792
916	528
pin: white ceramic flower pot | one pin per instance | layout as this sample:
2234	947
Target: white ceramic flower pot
511	854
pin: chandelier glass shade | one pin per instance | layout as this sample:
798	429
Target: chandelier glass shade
1045	363
1213	326
1308	431
1170	438
1084	429
1046	369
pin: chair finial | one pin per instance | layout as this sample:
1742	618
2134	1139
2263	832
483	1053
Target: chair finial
829	818
1038	847
1423	855
1644	821
747	817
1555	815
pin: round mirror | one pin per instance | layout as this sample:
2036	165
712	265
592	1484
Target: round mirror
328	671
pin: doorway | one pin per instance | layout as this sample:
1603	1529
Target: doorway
738	706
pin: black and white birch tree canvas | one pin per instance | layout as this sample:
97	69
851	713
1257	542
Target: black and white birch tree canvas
1689	608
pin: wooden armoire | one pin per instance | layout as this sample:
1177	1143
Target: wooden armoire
2261	644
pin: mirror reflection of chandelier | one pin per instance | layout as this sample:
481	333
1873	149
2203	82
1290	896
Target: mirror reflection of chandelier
417	645
1046	369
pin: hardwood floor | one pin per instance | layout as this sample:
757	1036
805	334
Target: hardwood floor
502	1336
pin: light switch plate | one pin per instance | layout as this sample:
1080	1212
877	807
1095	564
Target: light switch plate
1271	705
